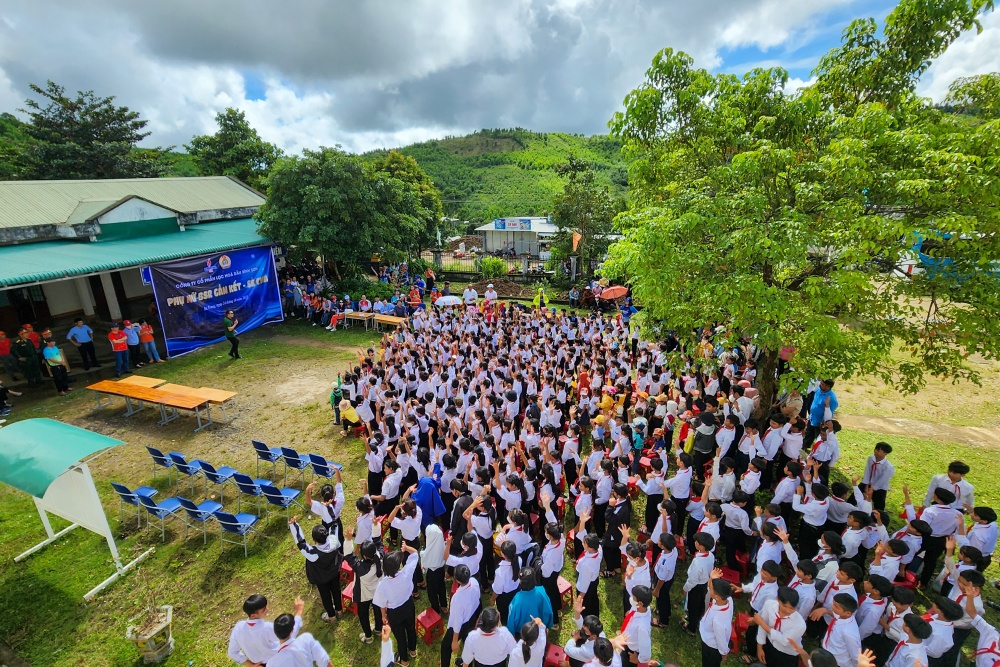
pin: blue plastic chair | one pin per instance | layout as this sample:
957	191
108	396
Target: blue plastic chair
170	507
192	469
218	477
294	461
248	487
237	524
323	468
161	460
129	497
283	498
268	454
201	513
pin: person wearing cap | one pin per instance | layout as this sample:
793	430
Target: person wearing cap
119	345
8	360
490	294
132	339
57	366
82	337
24	351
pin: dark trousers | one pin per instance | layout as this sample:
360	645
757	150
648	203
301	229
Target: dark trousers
437	591
551	584
418	574
463	632
709	656
60	378
776	658
933	548
681	504
330	594
881	646
696	605
364	617
808	539
234	349
591	603
403	621
503	605
88	354
653	503
700	459
488	565
878	497
133	355
598	517
735	541
663	602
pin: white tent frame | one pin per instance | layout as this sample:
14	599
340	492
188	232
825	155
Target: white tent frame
73	496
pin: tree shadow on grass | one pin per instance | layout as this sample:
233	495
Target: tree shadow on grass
31	601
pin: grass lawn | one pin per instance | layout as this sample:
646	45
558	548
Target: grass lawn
283	384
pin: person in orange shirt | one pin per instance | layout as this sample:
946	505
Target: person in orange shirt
414	299
148	342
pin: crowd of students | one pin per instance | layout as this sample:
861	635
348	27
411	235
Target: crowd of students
504	443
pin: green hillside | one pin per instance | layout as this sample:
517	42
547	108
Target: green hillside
509	172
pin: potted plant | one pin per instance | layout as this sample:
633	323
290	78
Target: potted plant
151	630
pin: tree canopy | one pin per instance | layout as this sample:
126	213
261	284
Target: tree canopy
584	213
784	216
430	211
81	137
340	206
234	150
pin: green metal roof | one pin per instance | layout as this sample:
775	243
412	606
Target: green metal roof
34	452
29	203
53	260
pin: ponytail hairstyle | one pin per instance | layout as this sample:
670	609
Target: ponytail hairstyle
509	551
549	475
391	465
326	491
470	543
603	651
424	457
529	635
363	505
410	508
320	534
553	531
519	518
588	485
518	483
371	552
390	427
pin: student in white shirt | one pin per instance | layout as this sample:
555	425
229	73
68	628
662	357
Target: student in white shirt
944	613
988	647
762	589
588	567
254	640
878	473
873	607
911	650
462	614
579	648
300	651
841	637
664	570
432	558
530	649
982	534
393	597
779	624
698	574
954	481
490	643
812	501
716	625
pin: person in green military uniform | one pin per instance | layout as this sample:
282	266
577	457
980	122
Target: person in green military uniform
229	324
27	357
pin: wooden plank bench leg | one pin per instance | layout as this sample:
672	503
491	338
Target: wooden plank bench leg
132	408
208	418
103	401
167	415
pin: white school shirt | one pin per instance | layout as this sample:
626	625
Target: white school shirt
254	639
760	592
392	592
988	647
958	596
588	566
679	486
878	473
943	519
838	510
906	654
666	566
408	526
981	536
464	604
750	482
488	648
736	517
813	511
843	640
432	555
640	577
302	651
536	655
769	551
771	441
792	627
941	639
889	568
637	626
852	539
662	525
833	589
751	445
716	626
553	557
711	527
791	443
698	571
785	490
807	595
869	613
964	492
894	619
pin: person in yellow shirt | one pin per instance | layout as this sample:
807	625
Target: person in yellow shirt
348	415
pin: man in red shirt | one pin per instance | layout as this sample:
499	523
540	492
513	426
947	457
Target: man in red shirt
119	345
6	358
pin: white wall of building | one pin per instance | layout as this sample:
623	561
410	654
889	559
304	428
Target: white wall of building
135	209
132	282
62	297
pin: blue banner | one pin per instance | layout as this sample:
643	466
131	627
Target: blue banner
193	294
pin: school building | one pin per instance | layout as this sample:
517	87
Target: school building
72	248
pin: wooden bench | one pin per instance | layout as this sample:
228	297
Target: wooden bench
365	318
218	397
143	381
136	396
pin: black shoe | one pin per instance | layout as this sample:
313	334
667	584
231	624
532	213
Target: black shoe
237	357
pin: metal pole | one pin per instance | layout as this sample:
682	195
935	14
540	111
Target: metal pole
572	268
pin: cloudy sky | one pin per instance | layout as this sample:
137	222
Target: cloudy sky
374	73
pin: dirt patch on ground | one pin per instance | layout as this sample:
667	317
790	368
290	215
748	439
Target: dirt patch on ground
301	389
974	435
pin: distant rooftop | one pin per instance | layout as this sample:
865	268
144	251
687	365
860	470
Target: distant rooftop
33	203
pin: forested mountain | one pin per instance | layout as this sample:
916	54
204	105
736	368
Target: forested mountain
511	172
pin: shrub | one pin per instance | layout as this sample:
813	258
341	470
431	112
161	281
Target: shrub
492	267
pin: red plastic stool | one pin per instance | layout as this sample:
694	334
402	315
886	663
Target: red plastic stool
554	656
560	508
680	551
732	576
740	627
346	575
743	560
347	600
565	592
909	580
429	626
359	431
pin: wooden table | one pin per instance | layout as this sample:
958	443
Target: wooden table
136	396
143	381
391	320
219	397
364	317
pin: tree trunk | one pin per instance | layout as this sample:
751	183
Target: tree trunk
767	384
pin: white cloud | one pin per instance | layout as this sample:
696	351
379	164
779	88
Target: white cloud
970	54
772	22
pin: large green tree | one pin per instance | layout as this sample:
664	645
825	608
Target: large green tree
234	150
430	211
85	136
340	206
586	209
782	216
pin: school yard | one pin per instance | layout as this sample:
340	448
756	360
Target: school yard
283	384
